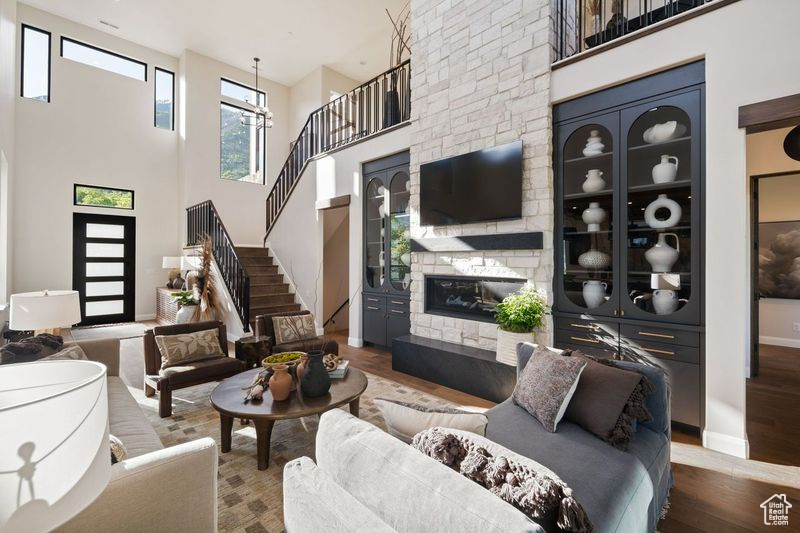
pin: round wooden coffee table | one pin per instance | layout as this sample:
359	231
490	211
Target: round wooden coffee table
228	399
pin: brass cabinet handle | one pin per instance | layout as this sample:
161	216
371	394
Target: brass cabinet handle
398	303
373	308
660	335
585	340
372	299
398	312
584	326
665	352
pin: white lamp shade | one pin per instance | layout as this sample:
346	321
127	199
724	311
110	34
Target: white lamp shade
170	262
190	263
44	310
55	456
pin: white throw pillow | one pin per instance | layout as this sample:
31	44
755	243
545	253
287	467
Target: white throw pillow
404	420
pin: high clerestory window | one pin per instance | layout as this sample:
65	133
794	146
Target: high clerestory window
164	99
35	64
103	59
242	144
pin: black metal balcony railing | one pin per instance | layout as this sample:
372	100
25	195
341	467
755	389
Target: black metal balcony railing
375	106
584	24
202	220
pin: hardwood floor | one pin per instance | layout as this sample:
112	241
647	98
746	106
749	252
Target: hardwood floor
713	492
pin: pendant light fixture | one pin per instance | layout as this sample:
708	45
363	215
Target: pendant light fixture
262	115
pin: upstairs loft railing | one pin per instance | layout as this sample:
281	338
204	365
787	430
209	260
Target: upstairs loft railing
585	24
202	220
377	105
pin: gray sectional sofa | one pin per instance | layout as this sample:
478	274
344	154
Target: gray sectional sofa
366	480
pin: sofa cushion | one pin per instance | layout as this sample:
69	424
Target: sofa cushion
621	491
293	328
128	423
185	347
317	343
546	384
200	370
404	420
406	489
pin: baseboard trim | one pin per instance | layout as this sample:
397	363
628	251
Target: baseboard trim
720	442
779	341
147	316
355	342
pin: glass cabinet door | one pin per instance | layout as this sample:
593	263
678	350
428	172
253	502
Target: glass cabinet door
661	200
399	231
587	217
374	229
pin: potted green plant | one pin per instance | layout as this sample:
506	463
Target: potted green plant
518	316
188	305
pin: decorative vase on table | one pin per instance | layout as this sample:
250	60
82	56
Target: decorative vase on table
594	293
280	384
185	314
316	381
662	202
594	181
662	256
666	171
507	345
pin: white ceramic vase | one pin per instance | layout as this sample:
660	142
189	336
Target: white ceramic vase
594	293
662	202
594	259
507	345
593	216
185	314
665	171
594	144
594	181
665	301
406	259
662	256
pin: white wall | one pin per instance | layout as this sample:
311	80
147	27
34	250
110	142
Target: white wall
737	73
98	130
778	201
313	91
241	205
8	28
334	175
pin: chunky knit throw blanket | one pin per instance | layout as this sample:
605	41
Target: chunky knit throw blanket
530	487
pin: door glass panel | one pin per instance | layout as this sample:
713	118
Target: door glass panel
110	307
94	270
105	231
659	207
102	249
400	244
376	216
105	288
588	212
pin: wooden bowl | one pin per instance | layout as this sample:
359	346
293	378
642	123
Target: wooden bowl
290	363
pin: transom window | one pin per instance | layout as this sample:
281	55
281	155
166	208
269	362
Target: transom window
93	196
103	59
242	93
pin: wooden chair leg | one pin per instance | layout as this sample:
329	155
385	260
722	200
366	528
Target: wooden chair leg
149	391
165	403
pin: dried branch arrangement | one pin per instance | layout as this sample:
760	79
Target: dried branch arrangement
400	36
206	288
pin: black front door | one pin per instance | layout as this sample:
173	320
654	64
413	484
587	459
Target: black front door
103	260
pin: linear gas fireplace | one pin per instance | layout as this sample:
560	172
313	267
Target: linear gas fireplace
470	298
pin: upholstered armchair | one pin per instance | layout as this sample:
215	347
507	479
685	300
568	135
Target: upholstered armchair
265	327
192	373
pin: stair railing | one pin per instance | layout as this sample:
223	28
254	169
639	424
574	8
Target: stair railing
333	315
377	105
202	220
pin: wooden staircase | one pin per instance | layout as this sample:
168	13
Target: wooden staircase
269	292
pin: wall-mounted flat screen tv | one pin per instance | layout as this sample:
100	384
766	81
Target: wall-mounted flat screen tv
475	187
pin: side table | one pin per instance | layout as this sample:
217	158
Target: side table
251	350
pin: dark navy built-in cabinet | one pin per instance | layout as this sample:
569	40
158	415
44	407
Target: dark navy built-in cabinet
387	249
629	228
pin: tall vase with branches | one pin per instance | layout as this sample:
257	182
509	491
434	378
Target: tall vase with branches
205	288
398	51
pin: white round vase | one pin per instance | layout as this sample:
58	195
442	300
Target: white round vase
662	202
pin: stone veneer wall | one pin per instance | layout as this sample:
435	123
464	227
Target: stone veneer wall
481	78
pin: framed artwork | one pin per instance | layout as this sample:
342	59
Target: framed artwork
779	259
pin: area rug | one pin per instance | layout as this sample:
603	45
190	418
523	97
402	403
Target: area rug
251	500
115	331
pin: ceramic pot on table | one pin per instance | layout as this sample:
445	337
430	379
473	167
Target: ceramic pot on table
316	381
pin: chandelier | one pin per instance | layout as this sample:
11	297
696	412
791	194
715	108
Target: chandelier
261	116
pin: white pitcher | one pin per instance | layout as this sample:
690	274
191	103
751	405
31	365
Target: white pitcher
665	171
662	256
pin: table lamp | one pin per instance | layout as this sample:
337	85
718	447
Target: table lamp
44	311
55	456
189	264
173	263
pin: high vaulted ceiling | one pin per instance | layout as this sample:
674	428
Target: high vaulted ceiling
292	37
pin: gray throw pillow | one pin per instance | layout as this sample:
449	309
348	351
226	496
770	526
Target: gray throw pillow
546	385
189	347
404	420
30	349
73	351
608	401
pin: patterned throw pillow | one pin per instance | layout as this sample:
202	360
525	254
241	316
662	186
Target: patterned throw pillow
404	420
30	349
546	385
73	351
188	347
294	328
118	451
